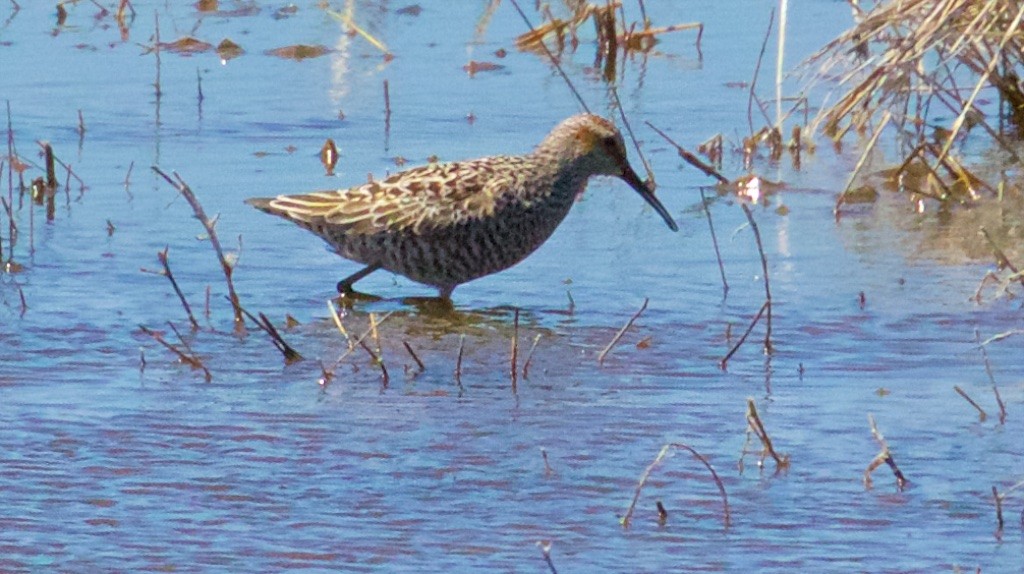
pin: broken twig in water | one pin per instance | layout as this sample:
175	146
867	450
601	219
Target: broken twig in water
548	471
190	360
359	340
419	363
289	353
384	377
884	456
767	284
529	356
513	371
626	518
714	243
725	360
545	550
338	324
991	378
622	331
690	158
211	232
458	361
982	415
756	427
166	272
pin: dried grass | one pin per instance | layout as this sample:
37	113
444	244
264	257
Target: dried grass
934	66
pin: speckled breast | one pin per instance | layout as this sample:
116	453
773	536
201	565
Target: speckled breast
454	254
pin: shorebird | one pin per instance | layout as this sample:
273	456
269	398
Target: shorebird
445	224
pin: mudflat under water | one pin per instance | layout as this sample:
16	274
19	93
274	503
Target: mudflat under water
114	456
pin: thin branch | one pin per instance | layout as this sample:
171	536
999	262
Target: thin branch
551	56
289	353
982	415
690	158
725	360
211	232
625	520
767	284
714	242
162	257
884	456
190	360
622	331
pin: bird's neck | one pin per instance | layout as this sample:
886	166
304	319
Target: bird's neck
562	174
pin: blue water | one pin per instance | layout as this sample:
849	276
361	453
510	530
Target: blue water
116	457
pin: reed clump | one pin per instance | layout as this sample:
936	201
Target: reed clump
942	74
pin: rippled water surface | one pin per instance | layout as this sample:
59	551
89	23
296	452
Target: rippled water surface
114	456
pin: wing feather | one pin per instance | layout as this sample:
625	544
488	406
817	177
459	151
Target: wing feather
432	196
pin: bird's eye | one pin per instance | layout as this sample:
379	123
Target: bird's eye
610	143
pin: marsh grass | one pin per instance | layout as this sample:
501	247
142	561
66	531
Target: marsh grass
943	74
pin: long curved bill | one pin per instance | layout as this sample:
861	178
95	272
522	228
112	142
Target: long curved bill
634	181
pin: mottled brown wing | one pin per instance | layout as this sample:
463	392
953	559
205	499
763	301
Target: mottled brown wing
416	200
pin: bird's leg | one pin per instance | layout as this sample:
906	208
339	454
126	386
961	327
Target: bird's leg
345	285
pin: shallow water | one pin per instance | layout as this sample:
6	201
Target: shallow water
111	463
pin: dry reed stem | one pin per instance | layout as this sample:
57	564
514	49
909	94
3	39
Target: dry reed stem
548	471
190	360
755	426
1001	259
551	56
751	95
128	178
725	360
384	377
627	517
166	272
861	163
387	108
662	513
326	376
347	20
622	331
636	145
513	371
1000	336
884	456
690	158
376	334
458	361
289	353
211	232
767	285
998	498
529	356
156	49
359	341
545	550
419	363
338	323
921	49
1011	30
982	415
991	378
999	512
714	243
